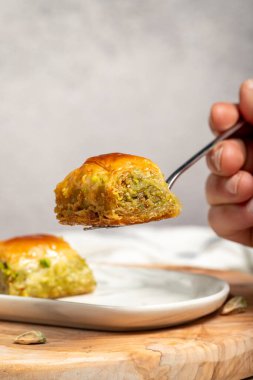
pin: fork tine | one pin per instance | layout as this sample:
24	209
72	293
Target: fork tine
90	228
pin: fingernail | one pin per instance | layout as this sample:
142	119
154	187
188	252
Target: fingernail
216	158
249	84
232	183
249	206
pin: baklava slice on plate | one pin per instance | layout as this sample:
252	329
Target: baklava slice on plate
43	266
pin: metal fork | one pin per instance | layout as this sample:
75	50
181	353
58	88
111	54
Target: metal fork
201	153
191	161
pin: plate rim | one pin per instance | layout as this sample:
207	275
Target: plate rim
222	293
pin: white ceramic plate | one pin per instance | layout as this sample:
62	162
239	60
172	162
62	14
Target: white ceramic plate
125	299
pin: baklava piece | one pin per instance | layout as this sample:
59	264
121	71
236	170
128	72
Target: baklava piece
113	190
42	266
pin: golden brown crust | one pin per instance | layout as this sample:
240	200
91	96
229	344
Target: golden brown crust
116	161
95	193
24	246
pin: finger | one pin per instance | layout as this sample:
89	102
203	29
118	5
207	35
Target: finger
248	164
231	221
246	100
223	116
227	157
244	237
227	190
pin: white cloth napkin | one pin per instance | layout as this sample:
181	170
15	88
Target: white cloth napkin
183	245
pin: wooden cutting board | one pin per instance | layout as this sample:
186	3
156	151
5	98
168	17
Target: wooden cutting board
214	347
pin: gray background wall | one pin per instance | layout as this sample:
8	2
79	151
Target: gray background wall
80	78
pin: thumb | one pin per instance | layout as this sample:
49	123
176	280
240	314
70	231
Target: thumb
246	100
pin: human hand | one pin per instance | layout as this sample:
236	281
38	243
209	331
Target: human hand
229	187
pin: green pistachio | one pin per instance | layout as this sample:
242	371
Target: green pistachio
235	305
45	262
31	337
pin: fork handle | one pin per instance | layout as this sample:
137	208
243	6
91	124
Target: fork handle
173	177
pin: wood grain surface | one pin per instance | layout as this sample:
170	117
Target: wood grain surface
214	347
